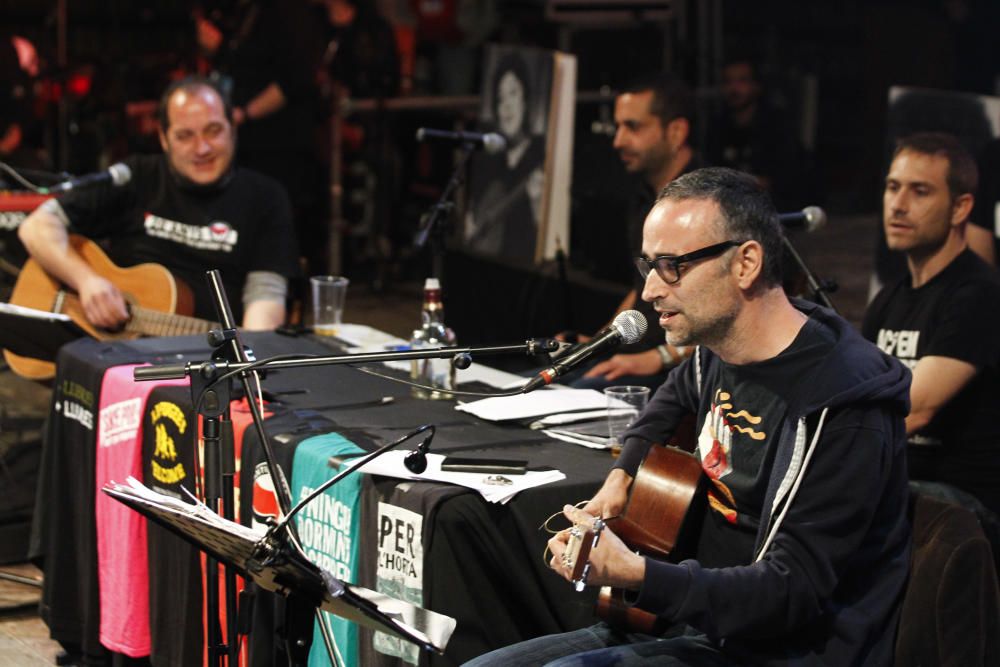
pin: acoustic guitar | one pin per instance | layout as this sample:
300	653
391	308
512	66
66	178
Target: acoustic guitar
659	521
158	304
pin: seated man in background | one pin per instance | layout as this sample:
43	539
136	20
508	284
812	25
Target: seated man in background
942	318
653	125
190	210
752	134
803	551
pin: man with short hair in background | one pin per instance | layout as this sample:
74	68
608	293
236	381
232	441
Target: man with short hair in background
653	119
189	209
942	318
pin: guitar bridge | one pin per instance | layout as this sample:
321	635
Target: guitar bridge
576	557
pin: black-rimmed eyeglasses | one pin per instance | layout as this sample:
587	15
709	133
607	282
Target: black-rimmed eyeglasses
668	267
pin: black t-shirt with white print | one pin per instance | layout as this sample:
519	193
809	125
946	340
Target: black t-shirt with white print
240	224
956	314
744	409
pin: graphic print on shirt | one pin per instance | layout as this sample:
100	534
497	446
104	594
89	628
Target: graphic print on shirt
218	236
265	499
170	423
715	446
901	344
120	422
77	404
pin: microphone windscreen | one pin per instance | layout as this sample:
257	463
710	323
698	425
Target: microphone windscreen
120	173
815	217
631	326
415	461
494	143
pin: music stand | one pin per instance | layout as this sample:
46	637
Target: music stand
35	333
278	565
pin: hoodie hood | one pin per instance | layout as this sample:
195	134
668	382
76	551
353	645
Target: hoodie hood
854	372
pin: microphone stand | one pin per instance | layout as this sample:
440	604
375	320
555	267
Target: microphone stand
210	393
568	313
221	369
431	225
273	532
220	467
818	288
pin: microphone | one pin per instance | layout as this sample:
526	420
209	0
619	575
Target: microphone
810	218
629	326
416	461
119	174
491	142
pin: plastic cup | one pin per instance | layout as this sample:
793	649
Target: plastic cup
328	296
625	402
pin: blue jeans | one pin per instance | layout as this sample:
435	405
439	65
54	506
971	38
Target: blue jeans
600	645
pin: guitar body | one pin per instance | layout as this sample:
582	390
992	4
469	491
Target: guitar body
656	521
145	286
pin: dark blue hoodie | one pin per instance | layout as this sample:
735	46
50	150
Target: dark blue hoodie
832	550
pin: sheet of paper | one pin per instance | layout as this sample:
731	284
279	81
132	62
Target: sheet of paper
494	488
575	417
535	404
577	439
22	311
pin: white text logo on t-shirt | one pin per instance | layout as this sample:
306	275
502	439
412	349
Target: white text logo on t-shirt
217	236
900	344
119	422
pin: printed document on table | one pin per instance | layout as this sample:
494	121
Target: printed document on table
535	404
494	488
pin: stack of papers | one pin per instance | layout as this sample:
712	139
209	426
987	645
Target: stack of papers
577	416
494	488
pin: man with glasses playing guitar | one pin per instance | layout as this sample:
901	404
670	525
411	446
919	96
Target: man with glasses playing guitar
802	552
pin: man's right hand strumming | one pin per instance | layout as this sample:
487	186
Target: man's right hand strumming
102	302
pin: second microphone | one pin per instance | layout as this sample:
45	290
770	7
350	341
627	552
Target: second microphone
491	142
628	327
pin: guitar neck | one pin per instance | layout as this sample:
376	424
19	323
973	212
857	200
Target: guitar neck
147	322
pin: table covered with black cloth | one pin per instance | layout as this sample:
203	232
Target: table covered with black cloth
482	562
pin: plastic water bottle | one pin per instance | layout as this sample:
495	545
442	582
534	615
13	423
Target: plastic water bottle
436	373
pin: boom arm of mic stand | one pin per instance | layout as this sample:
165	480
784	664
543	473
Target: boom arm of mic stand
180	371
817	288
344	473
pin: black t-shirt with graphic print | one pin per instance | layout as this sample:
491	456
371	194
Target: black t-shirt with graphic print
956	314
745	408
240	224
